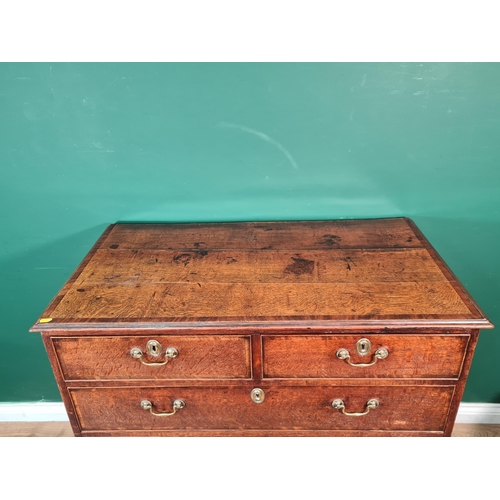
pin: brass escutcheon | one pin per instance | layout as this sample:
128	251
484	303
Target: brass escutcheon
363	347
257	396
154	348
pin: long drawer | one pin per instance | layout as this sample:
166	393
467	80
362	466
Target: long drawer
398	408
405	356
189	357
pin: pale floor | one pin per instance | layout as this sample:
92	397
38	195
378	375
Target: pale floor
63	429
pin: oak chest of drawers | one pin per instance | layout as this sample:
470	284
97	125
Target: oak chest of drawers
326	328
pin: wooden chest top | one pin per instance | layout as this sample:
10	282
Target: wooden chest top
368	273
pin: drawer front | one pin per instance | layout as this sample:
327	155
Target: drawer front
400	408
109	358
408	356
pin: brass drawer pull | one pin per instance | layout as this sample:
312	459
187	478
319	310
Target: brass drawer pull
338	404
154	348
381	353
178	404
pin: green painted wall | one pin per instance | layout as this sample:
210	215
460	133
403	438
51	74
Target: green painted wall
86	145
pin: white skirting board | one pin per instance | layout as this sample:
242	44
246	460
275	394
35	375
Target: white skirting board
478	413
33	412
468	413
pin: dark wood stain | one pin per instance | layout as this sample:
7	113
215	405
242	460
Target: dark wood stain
300	266
329	240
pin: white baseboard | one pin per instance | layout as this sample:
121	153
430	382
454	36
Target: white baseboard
468	413
33	412
478	413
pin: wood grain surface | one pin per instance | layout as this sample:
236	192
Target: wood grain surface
375	233
414	408
63	429
235	300
115	267
108	358
268	272
262	305
410	356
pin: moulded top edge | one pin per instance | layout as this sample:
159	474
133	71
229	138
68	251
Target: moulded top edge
330	325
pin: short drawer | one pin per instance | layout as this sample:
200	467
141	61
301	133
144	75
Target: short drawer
399	408
407	356
195	357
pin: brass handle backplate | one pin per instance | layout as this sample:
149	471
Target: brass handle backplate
345	355
338	404
154	349
177	405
